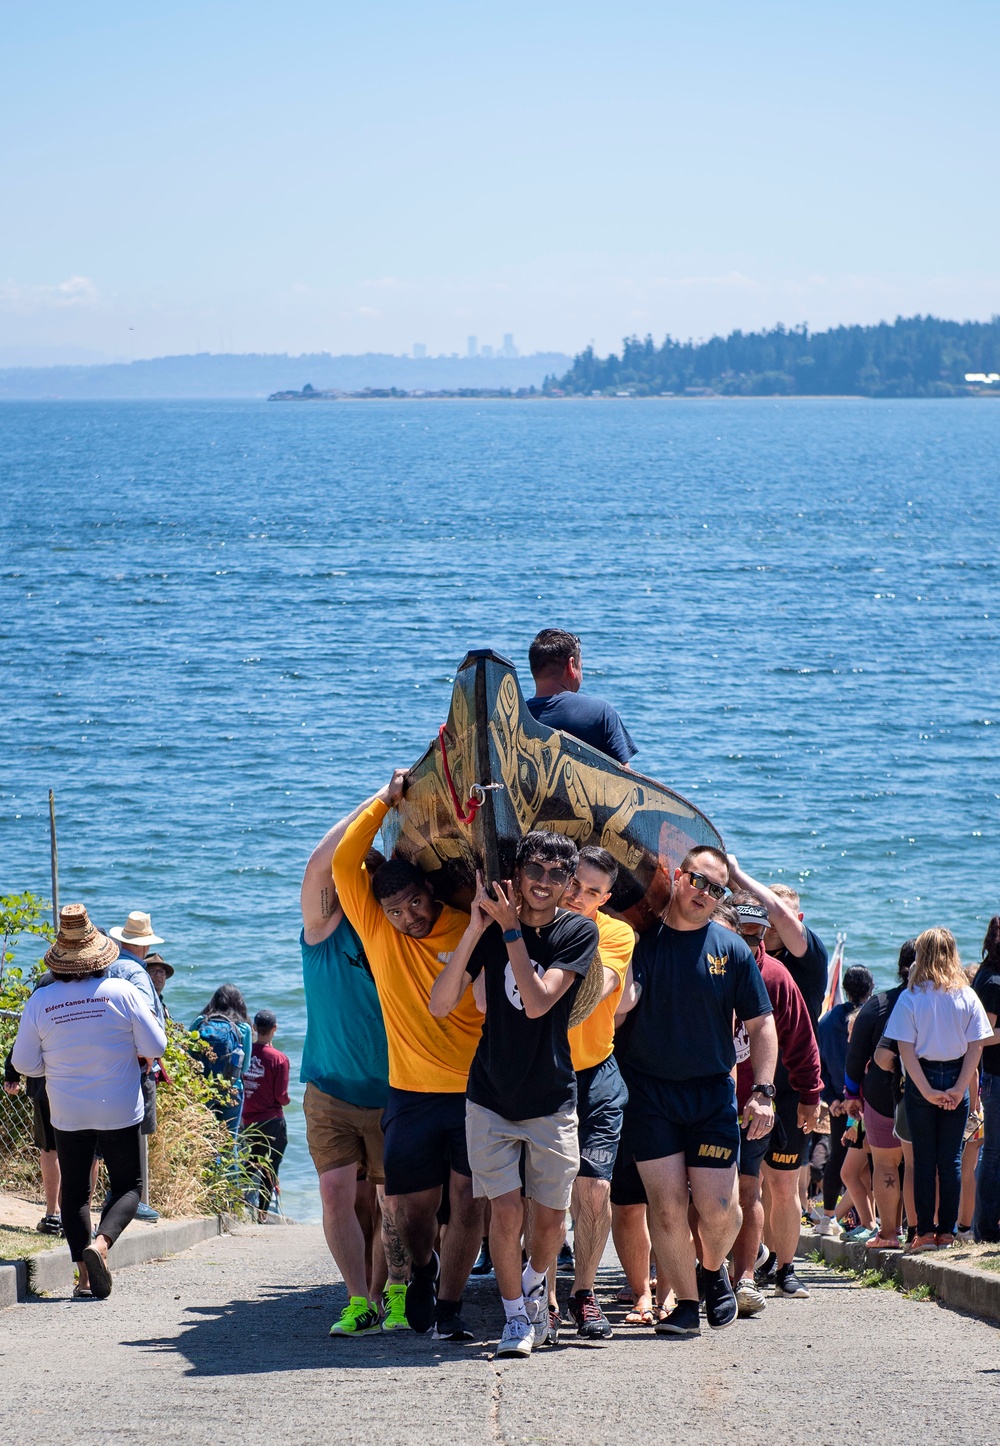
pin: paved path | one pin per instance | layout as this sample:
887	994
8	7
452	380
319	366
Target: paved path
227	1345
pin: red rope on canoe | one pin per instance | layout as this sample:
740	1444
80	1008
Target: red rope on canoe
464	815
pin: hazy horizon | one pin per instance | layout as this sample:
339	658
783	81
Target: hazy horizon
234	181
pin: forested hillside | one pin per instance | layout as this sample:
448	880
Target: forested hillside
917	356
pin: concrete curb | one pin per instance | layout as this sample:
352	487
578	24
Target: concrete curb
961	1286
51	1271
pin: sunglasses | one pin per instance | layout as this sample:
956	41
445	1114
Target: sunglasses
555	875
699	882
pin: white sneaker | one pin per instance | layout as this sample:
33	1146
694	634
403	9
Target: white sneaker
965	1236
536	1308
827	1225
517	1337
749	1300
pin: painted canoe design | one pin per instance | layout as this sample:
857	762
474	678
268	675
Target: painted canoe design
502	774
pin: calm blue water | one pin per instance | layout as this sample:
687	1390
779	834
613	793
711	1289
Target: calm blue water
221	625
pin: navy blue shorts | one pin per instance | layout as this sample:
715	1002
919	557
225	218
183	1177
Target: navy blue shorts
752	1153
626	1182
424	1140
787	1145
601	1097
696	1118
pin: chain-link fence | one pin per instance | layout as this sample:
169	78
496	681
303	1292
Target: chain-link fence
20	1173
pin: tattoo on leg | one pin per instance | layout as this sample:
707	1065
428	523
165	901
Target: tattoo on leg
395	1255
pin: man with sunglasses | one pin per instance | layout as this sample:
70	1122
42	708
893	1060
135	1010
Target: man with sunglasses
798	1083
690	977
526	957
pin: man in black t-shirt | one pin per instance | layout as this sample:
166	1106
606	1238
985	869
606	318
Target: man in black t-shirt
525	958
556	667
788	939
987	985
682	1127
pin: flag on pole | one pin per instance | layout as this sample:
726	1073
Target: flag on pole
834	974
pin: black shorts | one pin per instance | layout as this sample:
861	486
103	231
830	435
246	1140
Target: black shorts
695	1118
788	1144
424	1140
41	1123
601	1097
626	1182
752	1153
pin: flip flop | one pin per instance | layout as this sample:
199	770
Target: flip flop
97	1270
641	1317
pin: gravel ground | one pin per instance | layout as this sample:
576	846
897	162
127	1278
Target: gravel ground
228	1343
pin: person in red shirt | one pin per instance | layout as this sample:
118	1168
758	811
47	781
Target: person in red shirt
798	1084
265	1086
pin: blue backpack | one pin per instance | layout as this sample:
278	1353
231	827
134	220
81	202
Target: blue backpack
226	1044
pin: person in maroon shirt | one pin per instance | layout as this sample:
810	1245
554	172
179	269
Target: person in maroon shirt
265	1086
798	1083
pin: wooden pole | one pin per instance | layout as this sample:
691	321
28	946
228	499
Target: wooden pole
54	849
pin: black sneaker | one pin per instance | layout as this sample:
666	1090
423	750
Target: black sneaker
720	1301
683	1320
421	1294
787	1283
564	1260
699	1275
449	1325
764	1274
483	1265
591	1322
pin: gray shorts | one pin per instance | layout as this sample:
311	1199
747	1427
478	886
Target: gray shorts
551	1155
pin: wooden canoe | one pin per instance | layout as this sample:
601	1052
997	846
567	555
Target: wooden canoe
519	776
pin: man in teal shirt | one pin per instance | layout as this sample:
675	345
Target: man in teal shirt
345	1068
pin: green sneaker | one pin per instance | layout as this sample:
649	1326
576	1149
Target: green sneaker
394	1309
359	1318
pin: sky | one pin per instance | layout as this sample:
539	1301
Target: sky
347	178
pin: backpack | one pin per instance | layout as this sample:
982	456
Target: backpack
226	1043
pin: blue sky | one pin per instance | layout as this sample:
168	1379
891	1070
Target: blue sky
350	177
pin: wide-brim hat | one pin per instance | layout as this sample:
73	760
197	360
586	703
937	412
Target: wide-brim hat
160	962
80	947
137	929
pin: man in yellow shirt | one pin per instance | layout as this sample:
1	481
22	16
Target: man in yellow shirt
408	938
601	1091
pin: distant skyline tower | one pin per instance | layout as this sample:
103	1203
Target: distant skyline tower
472	346
419	351
485	350
509	349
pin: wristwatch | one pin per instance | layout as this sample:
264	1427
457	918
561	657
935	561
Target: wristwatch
767	1090
511	935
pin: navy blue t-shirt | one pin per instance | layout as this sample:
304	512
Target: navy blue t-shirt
809	970
693	982
590	719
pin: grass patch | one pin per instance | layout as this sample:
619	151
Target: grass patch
817	1257
17	1242
875	1280
986	1262
920	1292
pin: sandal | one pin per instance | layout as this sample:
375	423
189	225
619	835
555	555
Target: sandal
884	1242
642	1315
82	1292
97	1270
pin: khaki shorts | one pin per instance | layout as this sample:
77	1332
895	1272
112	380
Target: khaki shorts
340	1134
551	1155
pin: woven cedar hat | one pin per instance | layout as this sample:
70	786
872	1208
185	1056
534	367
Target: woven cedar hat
80	948
588	996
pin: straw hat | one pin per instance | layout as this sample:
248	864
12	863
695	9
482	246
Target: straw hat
161	963
137	929
80	948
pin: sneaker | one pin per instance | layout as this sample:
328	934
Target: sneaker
920	1244
49	1225
720	1302
555	1321
860	1235
484	1264
683	1320
762	1254
944	1242
749	1300
787	1283
699	1275
147	1213
764	1272
358	1318
827	1225
591	1322
421	1294
517	1338
966	1236
451	1327
394	1308
564	1260
536	1308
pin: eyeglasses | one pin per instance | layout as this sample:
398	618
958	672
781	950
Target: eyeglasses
555	875
699	882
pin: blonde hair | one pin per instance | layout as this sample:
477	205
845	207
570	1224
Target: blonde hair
785	891
937	962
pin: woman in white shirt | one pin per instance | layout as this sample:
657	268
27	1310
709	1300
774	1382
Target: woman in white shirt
85	1033
940	1027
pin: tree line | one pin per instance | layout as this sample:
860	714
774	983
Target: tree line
919	356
